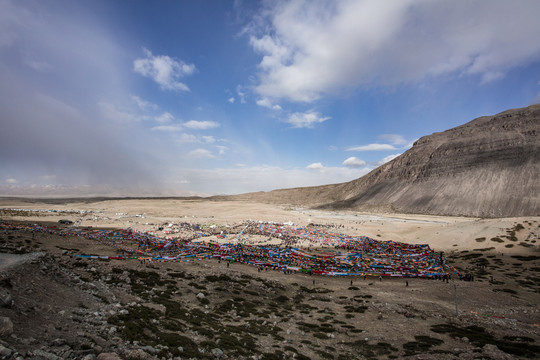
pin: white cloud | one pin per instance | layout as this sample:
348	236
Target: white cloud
372	147
143	104
38	65
191	138
393	139
354	162
222	149
164	118
306	120
111	112
200	153
242	94
163	70
208	139
187	138
386	159
265	102
312	48
201	125
231	100
168	128
12	181
315	166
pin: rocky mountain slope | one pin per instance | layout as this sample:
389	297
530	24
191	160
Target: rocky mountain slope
489	167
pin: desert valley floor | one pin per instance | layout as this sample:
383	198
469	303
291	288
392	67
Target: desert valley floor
55	304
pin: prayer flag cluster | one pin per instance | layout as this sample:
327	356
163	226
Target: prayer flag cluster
349	255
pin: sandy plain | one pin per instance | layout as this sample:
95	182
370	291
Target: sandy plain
442	233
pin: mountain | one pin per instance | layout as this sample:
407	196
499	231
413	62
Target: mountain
489	167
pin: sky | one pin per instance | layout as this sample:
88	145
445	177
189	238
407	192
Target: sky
159	98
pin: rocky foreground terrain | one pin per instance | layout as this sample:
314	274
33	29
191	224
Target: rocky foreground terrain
488	167
54	305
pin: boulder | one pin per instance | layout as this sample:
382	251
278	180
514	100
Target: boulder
108	356
6	327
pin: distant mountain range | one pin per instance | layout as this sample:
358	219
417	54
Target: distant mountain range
489	167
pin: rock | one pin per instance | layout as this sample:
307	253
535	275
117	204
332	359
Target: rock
109	356
46	355
158	307
138	354
6	301
200	295
4	351
89	357
58	342
6	327
149	349
217	352
494	353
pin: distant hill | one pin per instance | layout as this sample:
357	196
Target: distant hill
489	167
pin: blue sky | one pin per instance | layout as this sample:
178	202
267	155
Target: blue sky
223	97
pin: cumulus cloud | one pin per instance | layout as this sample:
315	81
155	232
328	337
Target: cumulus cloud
315	166
313	48
166	117
201	125
231	100
12	181
265	102
306	120
372	147
354	162
163	70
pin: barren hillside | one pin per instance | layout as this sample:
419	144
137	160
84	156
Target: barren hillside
487	167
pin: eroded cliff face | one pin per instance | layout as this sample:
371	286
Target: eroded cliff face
489	167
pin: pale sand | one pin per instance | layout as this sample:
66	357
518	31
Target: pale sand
442	233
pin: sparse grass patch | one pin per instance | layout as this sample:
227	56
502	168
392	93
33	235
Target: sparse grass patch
485	249
356	309
479	337
316	290
372	350
526	258
421	345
